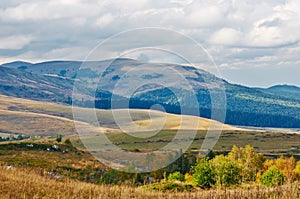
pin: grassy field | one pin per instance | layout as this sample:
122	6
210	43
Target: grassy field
25	183
57	159
40	167
268	143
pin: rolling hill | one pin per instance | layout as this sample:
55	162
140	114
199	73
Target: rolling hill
29	117
53	81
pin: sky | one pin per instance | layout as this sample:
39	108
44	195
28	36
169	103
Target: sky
253	42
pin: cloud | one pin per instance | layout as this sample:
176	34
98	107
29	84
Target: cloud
238	34
226	36
46	10
15	42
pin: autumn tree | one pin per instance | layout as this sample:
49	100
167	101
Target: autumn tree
247	159
227	172
284	165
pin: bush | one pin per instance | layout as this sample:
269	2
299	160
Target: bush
188	178
272	177
68	142
109	177
204	174
176	176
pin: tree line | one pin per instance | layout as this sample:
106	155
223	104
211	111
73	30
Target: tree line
239	166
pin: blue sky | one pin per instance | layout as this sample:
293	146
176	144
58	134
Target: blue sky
255	43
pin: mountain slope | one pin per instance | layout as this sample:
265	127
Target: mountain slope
245	106
22	84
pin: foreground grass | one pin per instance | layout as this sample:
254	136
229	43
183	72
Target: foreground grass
24	183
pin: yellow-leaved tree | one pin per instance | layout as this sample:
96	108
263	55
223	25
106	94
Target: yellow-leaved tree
247	159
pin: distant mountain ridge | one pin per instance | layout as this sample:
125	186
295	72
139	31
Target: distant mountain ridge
53	81
284	90
17	64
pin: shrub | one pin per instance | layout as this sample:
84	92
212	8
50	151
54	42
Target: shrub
188	178
272	177
204	174
176	176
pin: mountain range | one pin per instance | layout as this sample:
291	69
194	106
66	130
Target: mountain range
144	84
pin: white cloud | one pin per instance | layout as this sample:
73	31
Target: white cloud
203	16
226	36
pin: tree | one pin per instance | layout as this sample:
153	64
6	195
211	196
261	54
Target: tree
272	177
59	138
247	159
228	173
204	174
284	165
20	137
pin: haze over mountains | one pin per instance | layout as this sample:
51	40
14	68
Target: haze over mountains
53	81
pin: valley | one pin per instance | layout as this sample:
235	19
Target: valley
42	137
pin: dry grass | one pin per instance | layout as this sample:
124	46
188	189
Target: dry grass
66	161
23	183
21	116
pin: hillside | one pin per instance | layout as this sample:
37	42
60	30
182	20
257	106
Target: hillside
53	81
14	82
28	117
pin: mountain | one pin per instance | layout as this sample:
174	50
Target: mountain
144	84
288	91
